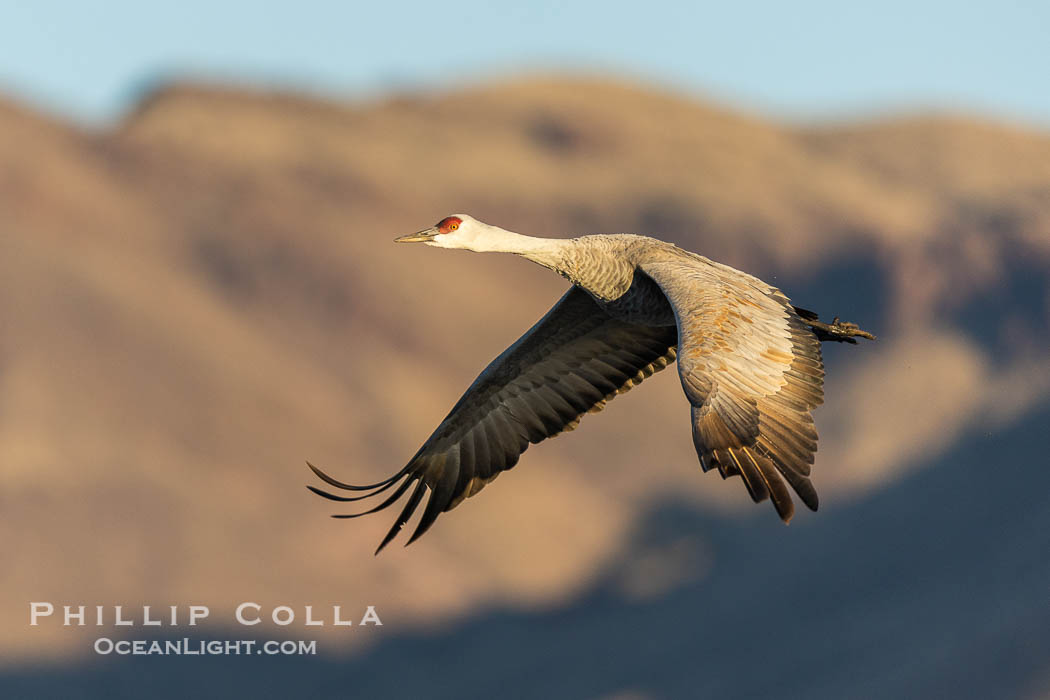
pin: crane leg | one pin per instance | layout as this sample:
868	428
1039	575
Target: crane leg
838	331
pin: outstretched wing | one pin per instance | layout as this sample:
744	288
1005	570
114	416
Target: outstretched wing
574	360
752	371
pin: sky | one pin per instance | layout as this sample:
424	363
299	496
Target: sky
801	60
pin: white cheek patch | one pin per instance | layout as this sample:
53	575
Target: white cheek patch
440	241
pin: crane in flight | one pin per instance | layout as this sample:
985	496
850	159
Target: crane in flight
748	360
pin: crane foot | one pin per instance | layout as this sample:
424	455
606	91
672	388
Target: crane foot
838	331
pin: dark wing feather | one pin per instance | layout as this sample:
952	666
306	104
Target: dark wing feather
574	360
752	371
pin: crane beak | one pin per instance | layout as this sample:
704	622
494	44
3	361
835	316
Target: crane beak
419	236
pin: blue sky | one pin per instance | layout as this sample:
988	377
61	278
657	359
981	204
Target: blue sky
813	59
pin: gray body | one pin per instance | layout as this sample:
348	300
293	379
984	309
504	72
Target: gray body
605	266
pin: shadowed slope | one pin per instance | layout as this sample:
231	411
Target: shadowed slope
932	594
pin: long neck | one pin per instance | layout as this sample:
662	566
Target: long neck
552	253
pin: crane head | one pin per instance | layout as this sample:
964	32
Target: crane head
456	231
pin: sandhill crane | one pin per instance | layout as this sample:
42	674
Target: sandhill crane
748	360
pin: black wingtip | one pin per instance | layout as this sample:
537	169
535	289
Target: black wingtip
333	497
406	513
398	492
389	536
434	508
352	487
350	499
